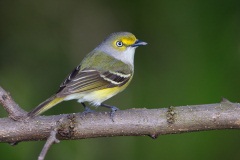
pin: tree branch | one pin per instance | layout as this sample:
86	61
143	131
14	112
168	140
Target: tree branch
132	122
12	108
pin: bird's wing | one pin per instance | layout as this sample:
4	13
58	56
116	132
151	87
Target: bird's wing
90	79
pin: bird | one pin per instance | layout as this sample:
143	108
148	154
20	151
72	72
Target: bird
103	73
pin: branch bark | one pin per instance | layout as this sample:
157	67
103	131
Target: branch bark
131	122
12	108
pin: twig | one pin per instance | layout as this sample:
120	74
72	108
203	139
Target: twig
14	111
50	141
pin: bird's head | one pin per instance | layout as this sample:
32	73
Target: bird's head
121	45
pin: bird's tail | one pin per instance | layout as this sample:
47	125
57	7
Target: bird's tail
49	103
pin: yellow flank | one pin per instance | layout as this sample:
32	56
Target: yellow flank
105	93
101	95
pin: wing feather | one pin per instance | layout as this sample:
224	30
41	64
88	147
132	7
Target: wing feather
89	79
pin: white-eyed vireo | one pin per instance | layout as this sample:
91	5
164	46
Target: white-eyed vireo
103	73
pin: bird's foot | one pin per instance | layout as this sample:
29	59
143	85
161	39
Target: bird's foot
113	110
87	109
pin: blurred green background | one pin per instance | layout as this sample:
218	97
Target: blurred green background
193	57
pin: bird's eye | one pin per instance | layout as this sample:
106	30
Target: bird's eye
119	43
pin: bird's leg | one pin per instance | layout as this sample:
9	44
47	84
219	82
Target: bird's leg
113	109
86	109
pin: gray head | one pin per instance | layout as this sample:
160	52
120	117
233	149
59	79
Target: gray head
121	45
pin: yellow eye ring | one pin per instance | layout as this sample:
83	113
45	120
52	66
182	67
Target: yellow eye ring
119	43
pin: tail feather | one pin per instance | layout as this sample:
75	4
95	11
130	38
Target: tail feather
49	103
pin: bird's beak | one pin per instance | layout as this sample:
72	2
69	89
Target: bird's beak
139	43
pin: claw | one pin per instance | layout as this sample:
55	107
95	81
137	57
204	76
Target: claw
113	110
87	109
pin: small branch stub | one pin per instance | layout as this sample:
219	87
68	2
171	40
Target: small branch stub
50	141
171	115
66	126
